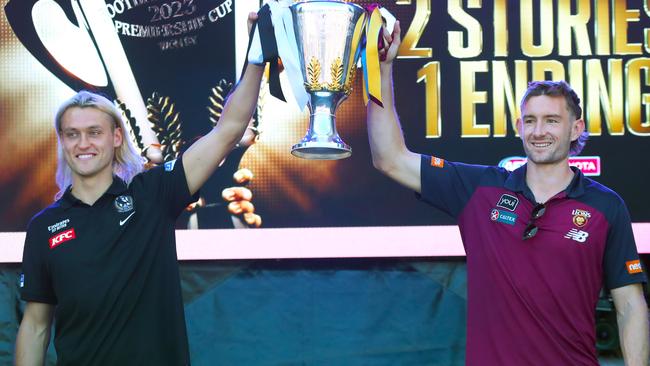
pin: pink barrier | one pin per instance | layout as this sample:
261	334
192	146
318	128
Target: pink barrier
352	242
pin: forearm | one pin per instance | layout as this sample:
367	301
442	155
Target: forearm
241	103
389	152
384	130
633	331
239	108
31	344
205	155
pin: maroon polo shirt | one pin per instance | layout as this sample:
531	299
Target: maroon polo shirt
532	302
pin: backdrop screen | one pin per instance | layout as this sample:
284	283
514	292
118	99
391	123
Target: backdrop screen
462	69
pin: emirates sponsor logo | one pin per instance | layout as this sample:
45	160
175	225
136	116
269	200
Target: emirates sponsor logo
58	226
61	238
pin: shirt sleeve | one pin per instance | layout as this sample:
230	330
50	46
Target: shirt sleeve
174	186
621	262
449	185
35	282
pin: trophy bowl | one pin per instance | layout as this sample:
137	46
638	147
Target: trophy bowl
328	35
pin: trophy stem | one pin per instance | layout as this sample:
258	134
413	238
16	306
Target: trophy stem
322	142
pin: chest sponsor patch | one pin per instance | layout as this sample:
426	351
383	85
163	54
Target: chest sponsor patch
577	235
124	203
437	162
633	266
61	238
502	216
580	217
508	202
58	226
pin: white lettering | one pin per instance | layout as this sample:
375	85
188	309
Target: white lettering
584	165
220	11
584	213
58	226
635	267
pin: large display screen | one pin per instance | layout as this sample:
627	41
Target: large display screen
462	69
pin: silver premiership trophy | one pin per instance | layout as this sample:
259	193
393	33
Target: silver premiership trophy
328	35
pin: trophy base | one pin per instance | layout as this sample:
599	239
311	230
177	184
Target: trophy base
321	150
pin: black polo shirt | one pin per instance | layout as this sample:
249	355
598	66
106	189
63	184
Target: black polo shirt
533	302
111	270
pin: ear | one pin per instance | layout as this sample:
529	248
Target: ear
577	129
520	126
117	137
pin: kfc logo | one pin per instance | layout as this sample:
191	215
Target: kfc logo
62	238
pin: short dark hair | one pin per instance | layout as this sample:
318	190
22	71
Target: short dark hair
559	89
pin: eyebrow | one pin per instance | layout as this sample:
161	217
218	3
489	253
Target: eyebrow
78	129
545	116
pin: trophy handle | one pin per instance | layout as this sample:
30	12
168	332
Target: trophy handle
19	16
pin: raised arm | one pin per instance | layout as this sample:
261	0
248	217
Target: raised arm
389	152
205	155
632	317
34	334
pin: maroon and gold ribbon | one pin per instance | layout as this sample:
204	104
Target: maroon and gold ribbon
370	58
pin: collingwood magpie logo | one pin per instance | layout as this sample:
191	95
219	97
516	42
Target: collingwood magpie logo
124	203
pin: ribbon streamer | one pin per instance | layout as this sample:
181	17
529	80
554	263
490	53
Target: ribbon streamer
288	49
273	37
370	59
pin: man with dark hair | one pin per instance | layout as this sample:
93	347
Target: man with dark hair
102	259
541	241
559	89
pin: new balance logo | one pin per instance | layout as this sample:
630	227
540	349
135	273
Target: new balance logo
62	238
577	235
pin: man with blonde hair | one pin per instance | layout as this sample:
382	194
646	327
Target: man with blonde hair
102	259
541	241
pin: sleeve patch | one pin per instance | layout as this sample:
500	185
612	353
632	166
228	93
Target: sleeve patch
437	162
169	165
633	267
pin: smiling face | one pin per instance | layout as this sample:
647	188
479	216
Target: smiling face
89	139
547	129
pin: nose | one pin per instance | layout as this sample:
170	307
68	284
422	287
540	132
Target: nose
538	128
84	141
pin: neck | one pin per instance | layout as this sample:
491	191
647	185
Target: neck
89	189
547	180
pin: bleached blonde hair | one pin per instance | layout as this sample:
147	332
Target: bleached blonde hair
127	161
